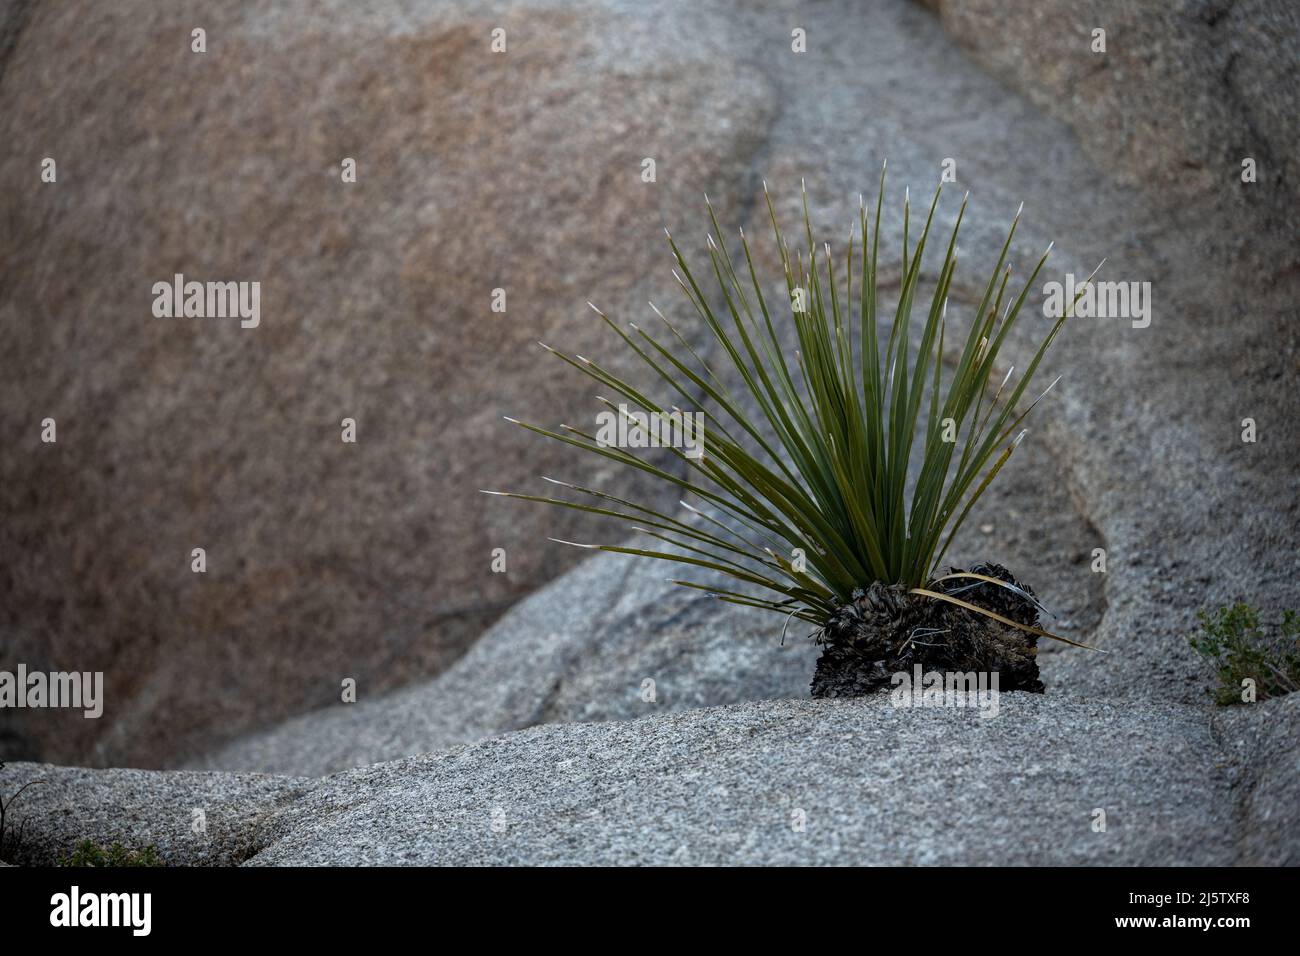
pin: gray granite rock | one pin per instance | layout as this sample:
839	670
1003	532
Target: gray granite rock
1265	739
192	819
1182	93
794	782
1047	780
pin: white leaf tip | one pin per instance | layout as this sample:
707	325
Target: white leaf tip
575	544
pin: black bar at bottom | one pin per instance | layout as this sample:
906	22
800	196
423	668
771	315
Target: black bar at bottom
338	905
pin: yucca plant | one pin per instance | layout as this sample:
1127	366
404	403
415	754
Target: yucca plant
803	493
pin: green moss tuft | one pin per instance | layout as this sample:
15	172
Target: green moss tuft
89	853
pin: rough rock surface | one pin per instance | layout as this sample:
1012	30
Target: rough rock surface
771	782
1182	93
722	785
193	819
1265	739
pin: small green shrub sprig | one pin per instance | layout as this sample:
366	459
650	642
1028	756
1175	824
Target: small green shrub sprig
1242	649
